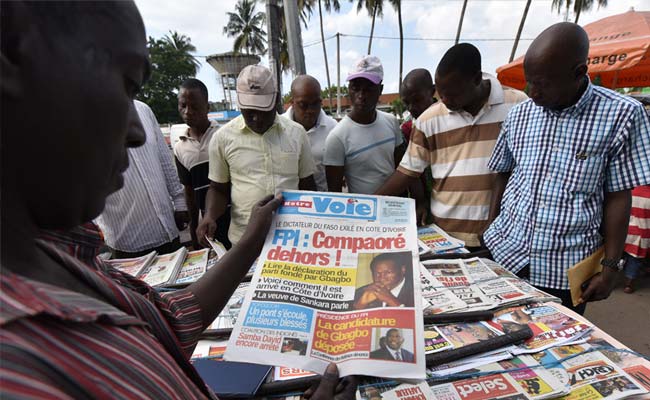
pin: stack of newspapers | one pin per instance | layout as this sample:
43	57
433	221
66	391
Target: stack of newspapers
180	267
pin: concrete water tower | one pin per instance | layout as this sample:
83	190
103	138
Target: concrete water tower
229	65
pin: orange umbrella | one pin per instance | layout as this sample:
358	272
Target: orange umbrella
619	53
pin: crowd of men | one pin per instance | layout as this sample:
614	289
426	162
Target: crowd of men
542	182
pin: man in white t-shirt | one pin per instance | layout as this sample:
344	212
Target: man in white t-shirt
365	146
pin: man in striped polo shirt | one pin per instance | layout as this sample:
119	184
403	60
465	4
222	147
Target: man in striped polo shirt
455	137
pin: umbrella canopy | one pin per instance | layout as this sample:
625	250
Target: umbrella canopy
619	53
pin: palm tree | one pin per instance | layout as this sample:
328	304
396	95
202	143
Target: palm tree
245	25
397	5
521	27
460	23
578	6
184	46
329	5
375	9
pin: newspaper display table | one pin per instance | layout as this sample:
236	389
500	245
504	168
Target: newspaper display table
462	302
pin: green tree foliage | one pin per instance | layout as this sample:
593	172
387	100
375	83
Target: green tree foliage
245	25
171	64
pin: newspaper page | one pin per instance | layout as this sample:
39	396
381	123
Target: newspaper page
436	239
405	391
209	349
473	297
594	376
337	281
228	316
550	326
132	266
194	266
434	341
501	292
516	381
436	298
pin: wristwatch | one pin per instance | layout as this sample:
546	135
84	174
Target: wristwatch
614	264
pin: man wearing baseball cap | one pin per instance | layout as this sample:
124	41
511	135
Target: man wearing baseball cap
254	155
365	146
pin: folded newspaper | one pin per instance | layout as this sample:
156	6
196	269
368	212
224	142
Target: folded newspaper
337	281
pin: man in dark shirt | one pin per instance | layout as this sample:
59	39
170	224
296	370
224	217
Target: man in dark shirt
191	155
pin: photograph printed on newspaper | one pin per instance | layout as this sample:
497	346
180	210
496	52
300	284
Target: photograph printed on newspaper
337	281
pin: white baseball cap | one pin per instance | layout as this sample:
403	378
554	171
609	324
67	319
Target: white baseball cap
256	88
369	67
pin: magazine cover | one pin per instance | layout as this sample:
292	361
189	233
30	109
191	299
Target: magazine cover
132	266
337	281
194	266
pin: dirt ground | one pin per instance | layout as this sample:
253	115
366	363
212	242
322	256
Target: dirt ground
624	316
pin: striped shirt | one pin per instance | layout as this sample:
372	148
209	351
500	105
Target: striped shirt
637	243
192	162
562	164
457	146
140	216
59	344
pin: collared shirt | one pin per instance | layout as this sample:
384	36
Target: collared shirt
562	164
395	291
258	165
140	216
457	146
317	135
60	344
192	158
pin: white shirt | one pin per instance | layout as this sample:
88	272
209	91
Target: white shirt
395	291
367	152
317	136
140	216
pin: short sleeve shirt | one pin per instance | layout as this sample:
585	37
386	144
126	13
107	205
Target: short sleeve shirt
366	151
317	136
258	165
562	164
191	157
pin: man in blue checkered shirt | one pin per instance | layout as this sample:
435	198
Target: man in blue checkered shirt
567	160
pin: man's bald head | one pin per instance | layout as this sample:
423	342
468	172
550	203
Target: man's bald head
555	65
417	91
306	101
304	83
565	43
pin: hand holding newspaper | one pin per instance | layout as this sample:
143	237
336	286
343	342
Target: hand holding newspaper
337	281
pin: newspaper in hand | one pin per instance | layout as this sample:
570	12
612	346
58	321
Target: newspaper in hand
337	281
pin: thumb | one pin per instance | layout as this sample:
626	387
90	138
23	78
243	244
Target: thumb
328	383
586	294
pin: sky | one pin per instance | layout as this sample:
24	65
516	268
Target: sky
203	21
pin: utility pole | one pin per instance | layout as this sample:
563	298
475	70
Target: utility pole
273	31
294	38
338	75
460	23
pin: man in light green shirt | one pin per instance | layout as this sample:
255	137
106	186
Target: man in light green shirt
256	154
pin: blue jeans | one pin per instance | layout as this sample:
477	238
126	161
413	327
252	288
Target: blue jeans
633	266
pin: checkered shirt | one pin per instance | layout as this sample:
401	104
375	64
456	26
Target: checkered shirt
562	163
